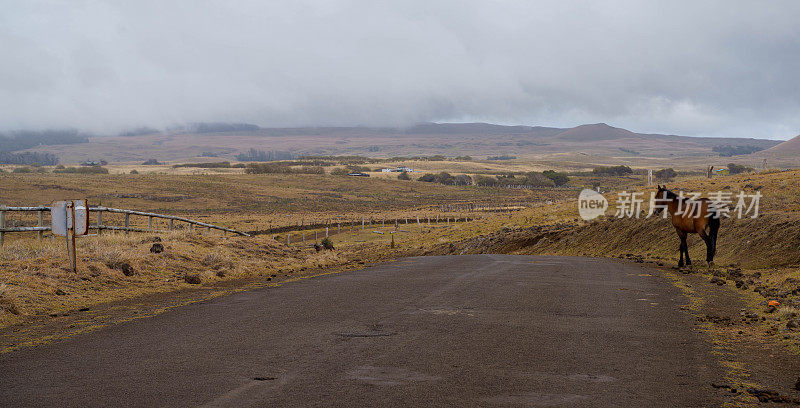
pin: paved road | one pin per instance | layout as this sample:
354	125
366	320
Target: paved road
461	331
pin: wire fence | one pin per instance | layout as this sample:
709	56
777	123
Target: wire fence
40	228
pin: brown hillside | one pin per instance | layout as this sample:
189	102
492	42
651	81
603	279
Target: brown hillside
595	132
789	148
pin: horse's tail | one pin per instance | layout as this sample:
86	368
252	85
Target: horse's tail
713	229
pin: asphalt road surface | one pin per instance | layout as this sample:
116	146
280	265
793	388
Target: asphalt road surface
460	331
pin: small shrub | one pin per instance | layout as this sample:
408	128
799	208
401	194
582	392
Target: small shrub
22	170
134	171
152	162
327	243
665	174
403	176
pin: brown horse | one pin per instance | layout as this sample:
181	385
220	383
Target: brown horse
690	216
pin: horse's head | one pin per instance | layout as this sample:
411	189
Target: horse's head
663	197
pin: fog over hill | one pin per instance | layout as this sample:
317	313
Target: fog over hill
710	68
598	142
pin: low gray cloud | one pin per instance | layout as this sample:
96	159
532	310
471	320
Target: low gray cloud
712	68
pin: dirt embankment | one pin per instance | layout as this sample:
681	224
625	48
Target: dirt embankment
771	241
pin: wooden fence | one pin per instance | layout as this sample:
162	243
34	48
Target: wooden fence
40	228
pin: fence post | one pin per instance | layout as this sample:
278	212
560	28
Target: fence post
2	225
40	234
191	227
127	222
150	223
171	224
326	232
362	223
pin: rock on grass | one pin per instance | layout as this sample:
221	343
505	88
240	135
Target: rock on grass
193	279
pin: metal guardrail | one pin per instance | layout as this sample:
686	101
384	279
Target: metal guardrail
40	228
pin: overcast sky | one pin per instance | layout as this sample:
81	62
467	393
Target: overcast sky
704	68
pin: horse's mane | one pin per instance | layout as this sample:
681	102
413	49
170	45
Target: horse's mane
670	194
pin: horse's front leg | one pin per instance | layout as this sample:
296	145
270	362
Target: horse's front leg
680	249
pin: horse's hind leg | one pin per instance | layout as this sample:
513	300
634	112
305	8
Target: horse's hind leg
709	247
686	251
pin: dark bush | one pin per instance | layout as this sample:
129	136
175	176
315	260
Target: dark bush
666	174
486	181
535	179
738	168
612	171
559	179
403	176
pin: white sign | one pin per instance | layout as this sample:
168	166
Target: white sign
62	220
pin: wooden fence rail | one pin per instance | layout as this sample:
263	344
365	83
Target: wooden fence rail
40	228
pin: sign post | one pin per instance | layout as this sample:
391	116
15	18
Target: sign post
70	218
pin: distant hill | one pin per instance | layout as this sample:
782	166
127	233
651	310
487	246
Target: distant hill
595	132
789	148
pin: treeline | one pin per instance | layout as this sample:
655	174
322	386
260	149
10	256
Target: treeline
215	127
355	160
211	165
81	170
547	178
28	158
263	156
728	150
281	168
25	139
140	131
447	179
